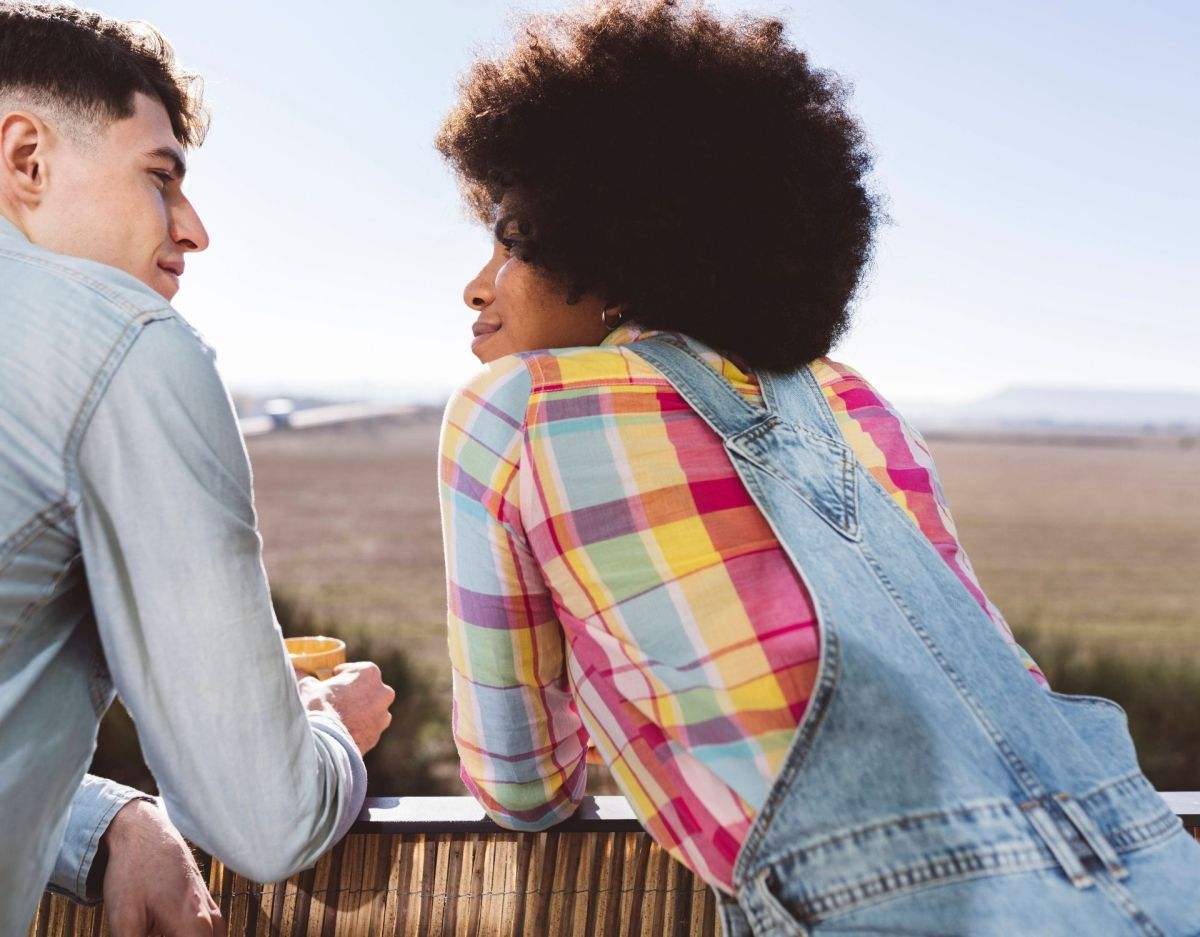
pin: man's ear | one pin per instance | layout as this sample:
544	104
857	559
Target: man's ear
24	140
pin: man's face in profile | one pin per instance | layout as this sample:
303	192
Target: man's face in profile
116	196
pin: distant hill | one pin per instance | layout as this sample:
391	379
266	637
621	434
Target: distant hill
1063	408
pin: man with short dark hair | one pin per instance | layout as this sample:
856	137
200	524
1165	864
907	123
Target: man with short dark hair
128	542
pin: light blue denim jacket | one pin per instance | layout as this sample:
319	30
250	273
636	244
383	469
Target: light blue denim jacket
128	546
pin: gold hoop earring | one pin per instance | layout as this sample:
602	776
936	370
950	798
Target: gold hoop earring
611	324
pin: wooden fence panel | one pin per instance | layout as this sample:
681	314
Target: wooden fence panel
442	875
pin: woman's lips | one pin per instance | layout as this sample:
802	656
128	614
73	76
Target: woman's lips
481	331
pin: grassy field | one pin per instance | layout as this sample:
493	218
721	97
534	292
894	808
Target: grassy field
1099	543
1092	552
350	527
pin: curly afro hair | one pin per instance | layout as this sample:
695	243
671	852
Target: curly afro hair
699	172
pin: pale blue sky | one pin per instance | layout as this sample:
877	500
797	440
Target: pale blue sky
1039	159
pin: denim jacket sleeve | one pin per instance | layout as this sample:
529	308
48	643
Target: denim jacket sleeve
93	808
170	545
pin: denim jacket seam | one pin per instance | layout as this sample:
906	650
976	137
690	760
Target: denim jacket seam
35	531
32	529
95	393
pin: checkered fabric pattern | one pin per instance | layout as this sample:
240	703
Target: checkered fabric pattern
610	577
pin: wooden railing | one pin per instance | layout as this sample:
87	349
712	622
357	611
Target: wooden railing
436	867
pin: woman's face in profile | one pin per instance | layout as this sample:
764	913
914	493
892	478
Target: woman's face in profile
519	308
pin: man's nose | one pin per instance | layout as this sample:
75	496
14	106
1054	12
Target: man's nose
480	291
188	230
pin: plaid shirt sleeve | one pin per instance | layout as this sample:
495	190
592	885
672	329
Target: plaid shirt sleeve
520	740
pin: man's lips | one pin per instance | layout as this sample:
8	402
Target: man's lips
174	267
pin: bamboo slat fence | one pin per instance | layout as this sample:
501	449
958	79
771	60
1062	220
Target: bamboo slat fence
435	867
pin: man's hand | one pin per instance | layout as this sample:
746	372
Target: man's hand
151	883
357	695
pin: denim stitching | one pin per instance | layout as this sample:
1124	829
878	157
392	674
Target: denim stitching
89	852
1124	901
44	596
91	399
839	523
798	752
106	290
1024	776
955	867
31	530
988	810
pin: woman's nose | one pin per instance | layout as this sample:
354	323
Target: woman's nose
479	292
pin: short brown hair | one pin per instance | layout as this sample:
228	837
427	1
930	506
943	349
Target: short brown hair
94	65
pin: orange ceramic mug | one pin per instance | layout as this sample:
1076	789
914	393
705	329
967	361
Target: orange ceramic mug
316	655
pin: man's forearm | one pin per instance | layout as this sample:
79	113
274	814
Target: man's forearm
173	560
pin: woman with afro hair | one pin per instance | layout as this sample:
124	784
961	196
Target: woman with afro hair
675	529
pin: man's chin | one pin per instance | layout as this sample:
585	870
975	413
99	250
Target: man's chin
165	285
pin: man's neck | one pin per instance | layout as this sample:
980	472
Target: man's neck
9	226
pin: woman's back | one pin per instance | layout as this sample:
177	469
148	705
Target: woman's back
614	517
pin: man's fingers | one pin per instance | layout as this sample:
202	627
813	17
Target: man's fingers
204	924
218	921
360	667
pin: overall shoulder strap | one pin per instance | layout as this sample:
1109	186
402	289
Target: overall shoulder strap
797	397
794	440
706	392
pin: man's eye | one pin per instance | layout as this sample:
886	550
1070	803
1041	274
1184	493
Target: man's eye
164	177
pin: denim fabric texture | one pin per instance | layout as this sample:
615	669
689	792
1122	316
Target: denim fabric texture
129	555
932	788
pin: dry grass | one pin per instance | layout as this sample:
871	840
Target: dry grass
1101	544
1098	544
350	528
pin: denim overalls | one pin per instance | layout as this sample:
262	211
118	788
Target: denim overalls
932	787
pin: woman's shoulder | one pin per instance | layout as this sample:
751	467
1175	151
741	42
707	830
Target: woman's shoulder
502	389
846	389
567	369
594	366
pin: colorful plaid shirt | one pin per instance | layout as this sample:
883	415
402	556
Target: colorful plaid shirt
610	577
